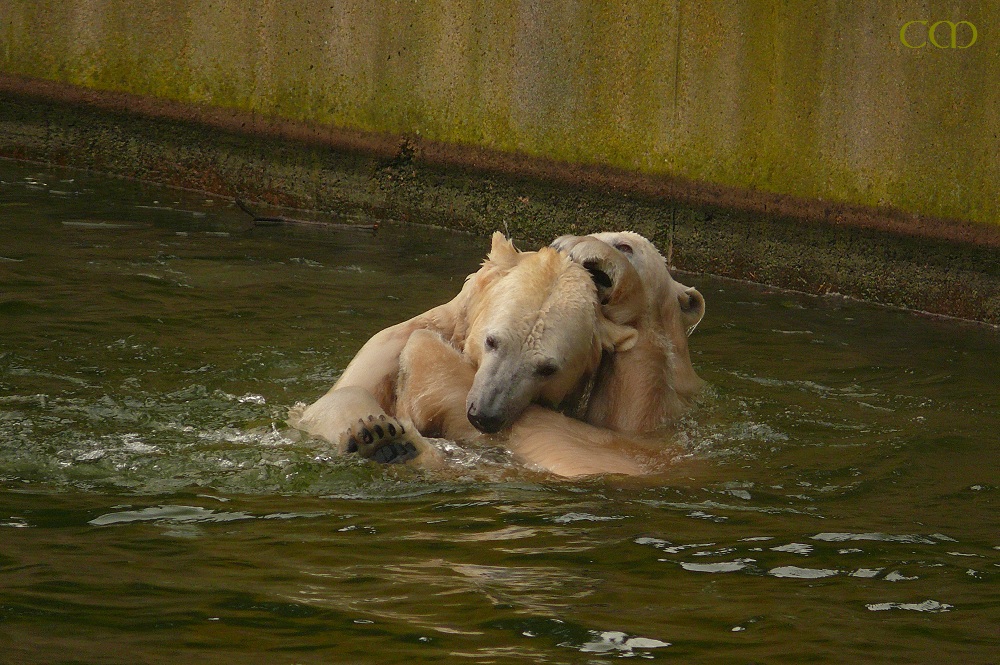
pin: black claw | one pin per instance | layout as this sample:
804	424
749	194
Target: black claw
352	445
379	431
367	437
392	429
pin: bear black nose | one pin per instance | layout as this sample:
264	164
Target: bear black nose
486	423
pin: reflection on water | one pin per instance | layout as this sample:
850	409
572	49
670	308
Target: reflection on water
837	500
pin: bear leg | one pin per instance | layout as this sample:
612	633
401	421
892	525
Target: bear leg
433	384
354	422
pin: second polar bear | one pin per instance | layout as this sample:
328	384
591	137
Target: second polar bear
654	381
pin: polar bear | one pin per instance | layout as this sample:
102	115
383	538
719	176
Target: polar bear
529	327
653	382
638	388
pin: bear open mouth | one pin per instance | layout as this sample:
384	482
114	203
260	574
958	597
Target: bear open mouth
601	279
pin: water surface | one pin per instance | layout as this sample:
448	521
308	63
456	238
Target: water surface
838	503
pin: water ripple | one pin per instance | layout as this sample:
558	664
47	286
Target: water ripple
798	572
933	539
926	606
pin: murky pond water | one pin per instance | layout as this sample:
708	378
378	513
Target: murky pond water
840	504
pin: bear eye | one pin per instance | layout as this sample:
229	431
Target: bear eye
546	369
623	247
492	343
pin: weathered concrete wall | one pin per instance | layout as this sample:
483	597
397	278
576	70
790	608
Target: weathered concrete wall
817	100
958	276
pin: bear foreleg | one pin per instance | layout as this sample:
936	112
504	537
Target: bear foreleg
353	421
434	381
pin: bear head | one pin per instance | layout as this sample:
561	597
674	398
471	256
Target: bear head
536	333
633	281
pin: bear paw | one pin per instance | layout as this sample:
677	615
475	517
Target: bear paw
382	438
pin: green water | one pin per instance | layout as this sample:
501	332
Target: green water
839	502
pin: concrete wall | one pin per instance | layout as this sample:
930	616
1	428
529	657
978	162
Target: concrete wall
818	100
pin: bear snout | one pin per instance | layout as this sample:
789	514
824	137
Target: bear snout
485	422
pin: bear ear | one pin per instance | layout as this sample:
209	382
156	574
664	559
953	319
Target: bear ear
616	338
503	254
692	307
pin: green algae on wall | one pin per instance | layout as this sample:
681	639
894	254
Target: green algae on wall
816	100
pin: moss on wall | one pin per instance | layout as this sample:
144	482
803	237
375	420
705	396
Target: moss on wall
816	100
